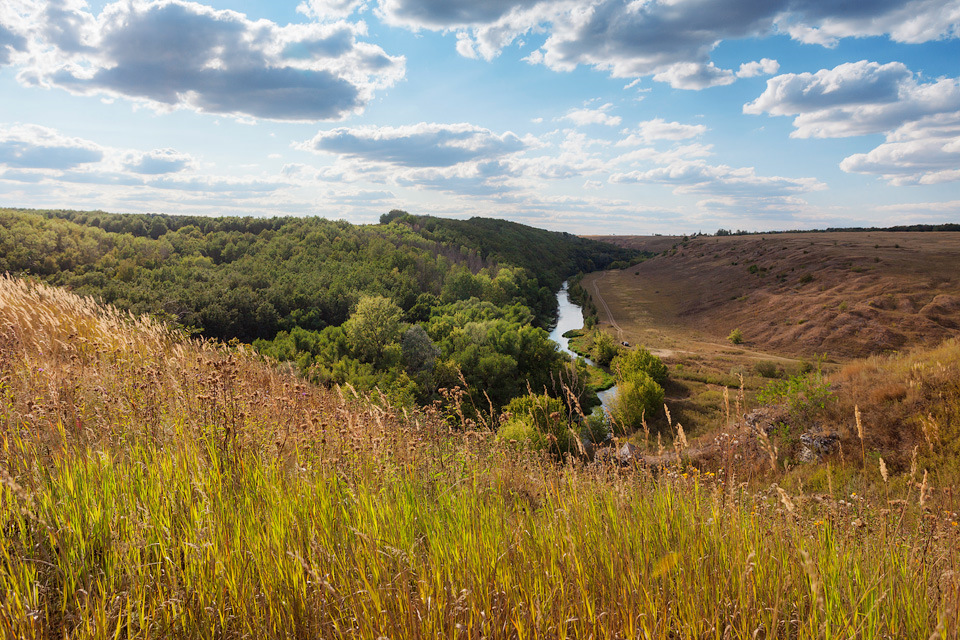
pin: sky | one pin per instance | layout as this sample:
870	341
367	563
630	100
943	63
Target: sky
588	116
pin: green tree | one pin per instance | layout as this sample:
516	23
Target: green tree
374	325
604	348
629	363
419	352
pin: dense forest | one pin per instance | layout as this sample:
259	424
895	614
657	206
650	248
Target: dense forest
413	305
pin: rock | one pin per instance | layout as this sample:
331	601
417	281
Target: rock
628	454
764	418
816	446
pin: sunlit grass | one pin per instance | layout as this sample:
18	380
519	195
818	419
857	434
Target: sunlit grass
151	487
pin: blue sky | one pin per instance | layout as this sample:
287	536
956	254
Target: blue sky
602	116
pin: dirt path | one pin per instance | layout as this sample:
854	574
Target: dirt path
606	309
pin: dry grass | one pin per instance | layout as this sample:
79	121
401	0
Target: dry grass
841	293
152	486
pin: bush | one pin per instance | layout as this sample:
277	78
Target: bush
520	430
629	363
533	419
804	395
604	349
735	337
637	398
767	369
596	428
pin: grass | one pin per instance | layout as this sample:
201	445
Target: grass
153	486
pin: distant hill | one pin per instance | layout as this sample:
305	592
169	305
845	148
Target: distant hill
553	256
250	277
843	293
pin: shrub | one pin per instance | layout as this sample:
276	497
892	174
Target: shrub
735	337
519	429
596	428
545	416
767	369
804	395
629	363
637	398
604	349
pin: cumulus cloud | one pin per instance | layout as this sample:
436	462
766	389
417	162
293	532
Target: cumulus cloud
326	9
672	39
35	154
419	145
12	33
457	158
659	129
36	147
158	161
583	117
825	23
762	67
695	76
725	185
923	152
920	119
175	54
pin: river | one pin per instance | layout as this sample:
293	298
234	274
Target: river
569	317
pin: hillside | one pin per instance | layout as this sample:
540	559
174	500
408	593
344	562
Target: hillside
411	306
843	294
154	486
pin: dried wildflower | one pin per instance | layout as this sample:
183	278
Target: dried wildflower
785	499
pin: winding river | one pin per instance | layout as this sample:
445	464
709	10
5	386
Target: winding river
571	317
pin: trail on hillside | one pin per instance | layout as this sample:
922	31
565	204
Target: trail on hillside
606	309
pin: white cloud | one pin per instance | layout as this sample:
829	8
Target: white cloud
173	54
158	161
726	186
584	117
672	39
458	158
35	154
329	9
13	31
695	76
920	119
419	145
36	147
763	67
659	129
825	23
923	152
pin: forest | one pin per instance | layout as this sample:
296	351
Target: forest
412	306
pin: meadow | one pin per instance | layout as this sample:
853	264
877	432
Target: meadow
154	485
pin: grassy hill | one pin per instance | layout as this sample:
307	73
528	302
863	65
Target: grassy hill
843	293
156	486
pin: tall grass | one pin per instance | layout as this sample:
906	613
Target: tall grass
157	487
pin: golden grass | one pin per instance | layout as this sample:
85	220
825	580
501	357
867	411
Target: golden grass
155	487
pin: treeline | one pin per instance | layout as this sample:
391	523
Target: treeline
920	228
449	298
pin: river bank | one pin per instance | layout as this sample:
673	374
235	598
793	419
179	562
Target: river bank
570	318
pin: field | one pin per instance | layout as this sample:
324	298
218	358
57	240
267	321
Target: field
153	486
800	301
843	294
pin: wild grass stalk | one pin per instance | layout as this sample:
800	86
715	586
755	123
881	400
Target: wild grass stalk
153	487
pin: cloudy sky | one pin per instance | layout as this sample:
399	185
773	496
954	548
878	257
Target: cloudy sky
589	116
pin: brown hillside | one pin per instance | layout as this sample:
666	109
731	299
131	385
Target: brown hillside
847	294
